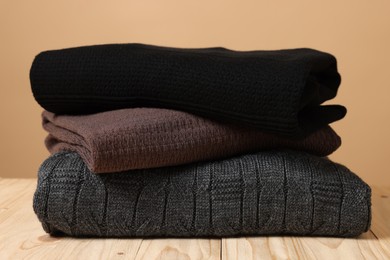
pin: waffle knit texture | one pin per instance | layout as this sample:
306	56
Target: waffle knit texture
138	138
267	193
276	91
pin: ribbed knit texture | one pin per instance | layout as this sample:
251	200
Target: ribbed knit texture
276	91
278	192
138	138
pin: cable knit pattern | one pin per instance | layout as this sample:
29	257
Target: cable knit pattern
276	91
138	138
279	192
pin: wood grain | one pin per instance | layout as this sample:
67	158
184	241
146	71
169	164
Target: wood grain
365	247
182	249
380	225
22	237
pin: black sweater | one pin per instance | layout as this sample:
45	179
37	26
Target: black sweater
277	91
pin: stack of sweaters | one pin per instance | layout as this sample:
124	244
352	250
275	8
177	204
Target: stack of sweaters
151	141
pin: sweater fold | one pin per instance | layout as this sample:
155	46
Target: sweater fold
277	91
270	193
139	138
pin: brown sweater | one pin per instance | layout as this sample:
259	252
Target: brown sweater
140	138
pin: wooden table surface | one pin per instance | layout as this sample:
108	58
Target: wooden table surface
22	237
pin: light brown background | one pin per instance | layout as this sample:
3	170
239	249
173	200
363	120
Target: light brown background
356	32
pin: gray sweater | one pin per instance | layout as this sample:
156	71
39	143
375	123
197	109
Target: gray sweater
277	192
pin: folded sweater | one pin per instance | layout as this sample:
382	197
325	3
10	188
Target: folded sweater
137	138
267	193
277	91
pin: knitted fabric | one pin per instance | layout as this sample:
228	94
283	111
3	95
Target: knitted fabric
139	138
268	193
277	91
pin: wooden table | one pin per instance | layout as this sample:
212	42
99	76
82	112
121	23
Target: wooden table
21	236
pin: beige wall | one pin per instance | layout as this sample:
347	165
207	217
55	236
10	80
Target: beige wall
357	32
